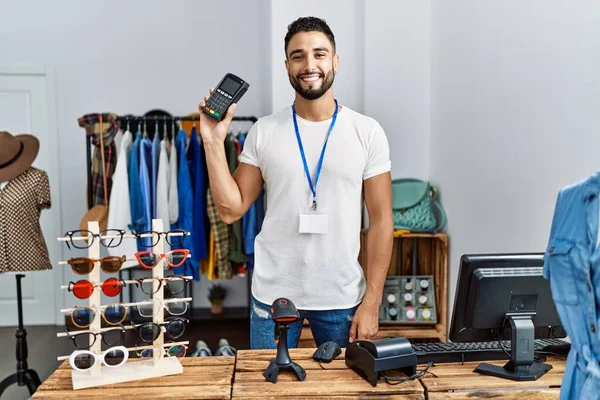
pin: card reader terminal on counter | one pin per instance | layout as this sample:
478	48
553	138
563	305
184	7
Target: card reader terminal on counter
229	90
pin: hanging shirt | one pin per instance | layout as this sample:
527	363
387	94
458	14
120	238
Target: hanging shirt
162	192
222	266
317	271
110	127
236	254
119	210
155	165
135	189
145	180
572	264
173	193
186	208
199	239
22	244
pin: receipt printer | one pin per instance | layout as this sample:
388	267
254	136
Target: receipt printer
369	358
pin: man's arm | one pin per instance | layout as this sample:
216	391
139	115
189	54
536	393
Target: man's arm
235	194
378	198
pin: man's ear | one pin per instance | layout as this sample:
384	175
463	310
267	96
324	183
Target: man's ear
336	62
287	66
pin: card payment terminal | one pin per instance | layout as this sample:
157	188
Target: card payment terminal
229	90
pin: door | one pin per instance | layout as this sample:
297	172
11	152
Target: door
25	107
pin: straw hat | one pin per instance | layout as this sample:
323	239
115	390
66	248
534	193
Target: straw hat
17	153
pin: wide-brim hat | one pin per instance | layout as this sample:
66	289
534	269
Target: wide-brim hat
17	153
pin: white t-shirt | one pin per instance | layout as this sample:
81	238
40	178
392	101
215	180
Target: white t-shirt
315	271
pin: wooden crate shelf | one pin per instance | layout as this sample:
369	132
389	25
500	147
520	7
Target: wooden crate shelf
432	259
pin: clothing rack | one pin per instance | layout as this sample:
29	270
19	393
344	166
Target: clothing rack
124	120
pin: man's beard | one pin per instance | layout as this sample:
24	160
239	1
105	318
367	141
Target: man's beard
313	93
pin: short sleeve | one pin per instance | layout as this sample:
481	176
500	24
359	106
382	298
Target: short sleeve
249	153
378	154
44	192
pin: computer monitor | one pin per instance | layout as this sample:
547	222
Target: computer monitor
505	296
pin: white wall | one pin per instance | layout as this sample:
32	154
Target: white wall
398	80
346	20
516	94
130	57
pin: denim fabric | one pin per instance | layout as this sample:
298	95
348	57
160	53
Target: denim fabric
572	264
145	180
186	208
199	236
135	188
155	161
325	325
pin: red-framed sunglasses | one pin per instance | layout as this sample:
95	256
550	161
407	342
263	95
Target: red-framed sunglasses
150	259
83	289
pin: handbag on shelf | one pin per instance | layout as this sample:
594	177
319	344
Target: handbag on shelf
415	207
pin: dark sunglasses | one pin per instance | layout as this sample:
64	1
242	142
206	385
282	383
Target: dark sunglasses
149	331
151	238
108	238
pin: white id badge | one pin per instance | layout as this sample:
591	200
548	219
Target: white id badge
312	221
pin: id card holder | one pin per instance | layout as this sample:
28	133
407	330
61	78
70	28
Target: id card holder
314	221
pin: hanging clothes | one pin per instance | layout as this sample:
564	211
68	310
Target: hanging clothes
145	181
119	210
155	162
111	127
135	189
162	192
173	192
236	254
196	162
186	207
220	232
572	264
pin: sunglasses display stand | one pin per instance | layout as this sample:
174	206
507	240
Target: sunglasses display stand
135	370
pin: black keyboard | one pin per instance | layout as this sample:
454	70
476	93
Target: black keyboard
481	351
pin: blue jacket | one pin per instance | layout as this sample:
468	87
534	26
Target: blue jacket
145	180
186	208
572	263
136	202
196	163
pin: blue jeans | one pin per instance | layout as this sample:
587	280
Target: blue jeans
326	325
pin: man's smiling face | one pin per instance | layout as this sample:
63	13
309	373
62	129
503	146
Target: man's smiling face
311	64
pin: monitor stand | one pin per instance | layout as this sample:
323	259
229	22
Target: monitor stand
521	366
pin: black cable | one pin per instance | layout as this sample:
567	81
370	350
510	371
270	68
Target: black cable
321	365
500	343
396	381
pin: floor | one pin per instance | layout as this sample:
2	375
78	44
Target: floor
44	347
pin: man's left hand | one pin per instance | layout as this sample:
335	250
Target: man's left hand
365	323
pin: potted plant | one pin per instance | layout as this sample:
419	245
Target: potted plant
216	295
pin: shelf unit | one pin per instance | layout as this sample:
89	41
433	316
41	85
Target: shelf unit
431	259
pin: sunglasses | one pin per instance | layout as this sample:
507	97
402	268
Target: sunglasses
151	238
149	331
85	340
84	265
113	314
149	259
108	238
173	307
83	289
177	350
175	284
84	360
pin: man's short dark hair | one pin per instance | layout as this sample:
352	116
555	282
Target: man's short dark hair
308	24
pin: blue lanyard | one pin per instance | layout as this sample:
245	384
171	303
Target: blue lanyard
313	188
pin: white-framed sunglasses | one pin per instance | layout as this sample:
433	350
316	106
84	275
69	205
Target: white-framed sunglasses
84	360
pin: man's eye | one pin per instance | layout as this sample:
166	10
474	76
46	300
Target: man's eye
320	55
297	58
